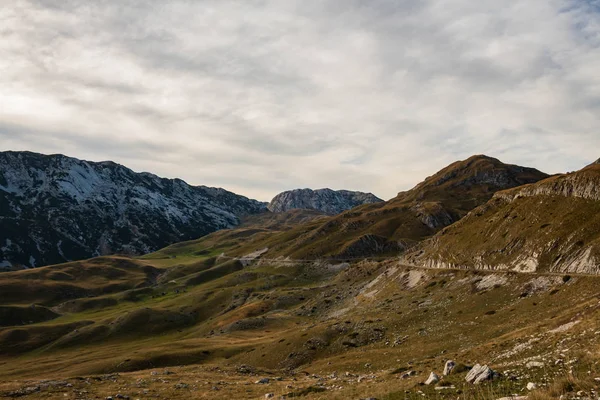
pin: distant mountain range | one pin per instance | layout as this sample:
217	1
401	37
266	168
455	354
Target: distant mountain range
55	208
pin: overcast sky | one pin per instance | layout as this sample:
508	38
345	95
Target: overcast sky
263	96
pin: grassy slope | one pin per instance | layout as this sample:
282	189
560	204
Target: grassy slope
368	319
549	226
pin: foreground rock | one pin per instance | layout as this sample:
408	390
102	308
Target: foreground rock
449	367
480	373
433	379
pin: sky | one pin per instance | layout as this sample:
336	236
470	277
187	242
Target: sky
262	96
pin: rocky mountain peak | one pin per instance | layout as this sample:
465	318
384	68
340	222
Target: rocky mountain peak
325	200
479	172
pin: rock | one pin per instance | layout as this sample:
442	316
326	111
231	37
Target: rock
182	386
263	381
408	374
449	367
269	395
433	379
245	369
534	364
531	386
480	373
514	397
445	387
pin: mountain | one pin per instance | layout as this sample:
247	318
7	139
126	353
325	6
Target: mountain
325	200
552	225
224	315
388	228
56	208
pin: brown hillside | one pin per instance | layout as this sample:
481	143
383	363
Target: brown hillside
552	225
389	227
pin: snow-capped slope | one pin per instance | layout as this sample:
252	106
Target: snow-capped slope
325	200
56	208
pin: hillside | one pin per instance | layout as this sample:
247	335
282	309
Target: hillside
390	227
328	201
552	225
197	326
56	208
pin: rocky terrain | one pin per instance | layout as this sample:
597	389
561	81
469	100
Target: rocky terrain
324	200
55	209
552	225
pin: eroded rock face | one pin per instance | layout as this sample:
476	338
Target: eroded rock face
582	184
325	200
57	208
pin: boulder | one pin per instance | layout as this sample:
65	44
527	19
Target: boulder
263	381
433	379
408	374
449	367
531	386
480	373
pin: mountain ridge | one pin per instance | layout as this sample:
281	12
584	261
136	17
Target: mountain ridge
325	200
57	208
551	225
393	226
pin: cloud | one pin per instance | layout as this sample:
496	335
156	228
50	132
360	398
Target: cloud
261	96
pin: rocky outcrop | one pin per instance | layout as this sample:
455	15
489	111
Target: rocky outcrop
433	214
325	200
56	208
583	184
